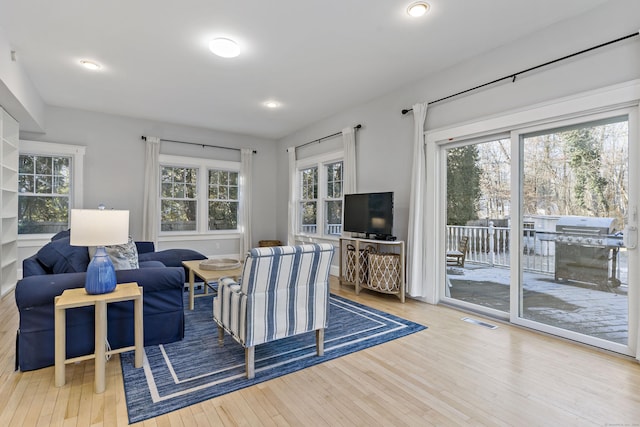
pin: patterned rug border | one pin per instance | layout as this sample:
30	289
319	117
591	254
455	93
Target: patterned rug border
154	400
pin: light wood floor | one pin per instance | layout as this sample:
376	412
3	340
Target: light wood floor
453	373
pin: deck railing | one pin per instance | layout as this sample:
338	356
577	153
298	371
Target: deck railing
332	229
490	246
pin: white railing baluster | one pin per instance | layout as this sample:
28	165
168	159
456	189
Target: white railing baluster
490	246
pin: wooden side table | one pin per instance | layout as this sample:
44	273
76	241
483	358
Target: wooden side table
72	298
207	276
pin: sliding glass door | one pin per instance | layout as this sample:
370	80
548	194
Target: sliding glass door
478	225
574	198
535	227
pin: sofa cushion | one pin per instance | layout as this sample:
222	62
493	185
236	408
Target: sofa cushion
123	257
62	234
59	256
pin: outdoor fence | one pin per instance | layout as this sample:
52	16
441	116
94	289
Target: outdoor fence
332	229
490	246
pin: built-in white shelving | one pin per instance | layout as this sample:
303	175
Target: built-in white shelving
9	154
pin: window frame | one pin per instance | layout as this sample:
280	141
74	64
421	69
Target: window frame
202	167
179	199
51	149
303	201
228	187
320	161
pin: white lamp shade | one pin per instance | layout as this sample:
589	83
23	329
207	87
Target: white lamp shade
99	227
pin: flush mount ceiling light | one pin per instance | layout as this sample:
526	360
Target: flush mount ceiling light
224	47
418	9
271	104
90	65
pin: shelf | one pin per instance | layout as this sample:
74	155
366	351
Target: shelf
9	203
9	229
9	179
10	154
8	263
10	129
9	159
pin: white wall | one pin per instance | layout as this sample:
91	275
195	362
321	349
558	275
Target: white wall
18	96
114	166
384	144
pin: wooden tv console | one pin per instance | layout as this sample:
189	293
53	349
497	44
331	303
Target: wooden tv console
377	265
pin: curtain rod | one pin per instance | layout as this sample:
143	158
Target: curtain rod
513	76
144	138
356	127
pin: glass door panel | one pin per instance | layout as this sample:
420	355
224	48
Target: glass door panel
574	207
478	225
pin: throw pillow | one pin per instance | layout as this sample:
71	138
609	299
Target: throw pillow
123	257
60	257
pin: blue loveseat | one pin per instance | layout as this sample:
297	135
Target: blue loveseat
59	266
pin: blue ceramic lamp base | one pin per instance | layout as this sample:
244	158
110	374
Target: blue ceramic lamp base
101	275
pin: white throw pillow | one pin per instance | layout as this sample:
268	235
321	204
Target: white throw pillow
123	257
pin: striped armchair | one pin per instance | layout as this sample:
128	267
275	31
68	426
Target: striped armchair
284	291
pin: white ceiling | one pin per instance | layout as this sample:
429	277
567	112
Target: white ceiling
314	57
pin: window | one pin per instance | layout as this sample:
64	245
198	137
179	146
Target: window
333	202
309	200
43	200
46	187
198	195
179	199
320	195
223	200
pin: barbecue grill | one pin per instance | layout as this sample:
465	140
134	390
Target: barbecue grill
587	250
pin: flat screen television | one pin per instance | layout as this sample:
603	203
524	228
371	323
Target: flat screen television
369	213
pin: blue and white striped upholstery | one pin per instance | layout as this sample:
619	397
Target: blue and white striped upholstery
284	291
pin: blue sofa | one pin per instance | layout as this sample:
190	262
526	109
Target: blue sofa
59	266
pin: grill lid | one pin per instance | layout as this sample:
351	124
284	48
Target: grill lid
585	224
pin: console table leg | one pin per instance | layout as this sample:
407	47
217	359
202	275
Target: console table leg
101	334
60	345
192	279
138	331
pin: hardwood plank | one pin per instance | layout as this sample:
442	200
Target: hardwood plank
453	373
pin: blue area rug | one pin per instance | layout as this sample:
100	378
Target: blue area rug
196	369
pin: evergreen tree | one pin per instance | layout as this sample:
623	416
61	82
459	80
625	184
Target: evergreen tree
585	159
463	185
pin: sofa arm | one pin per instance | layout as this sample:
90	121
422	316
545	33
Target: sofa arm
171	257
41	290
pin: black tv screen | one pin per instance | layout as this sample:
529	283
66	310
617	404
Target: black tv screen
369	213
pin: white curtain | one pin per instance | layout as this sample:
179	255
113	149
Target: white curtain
151	207
291	228
349	171
416	248
246	168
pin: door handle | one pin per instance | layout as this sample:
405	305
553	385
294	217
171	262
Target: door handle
630	236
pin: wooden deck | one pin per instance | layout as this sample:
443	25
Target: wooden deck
597	311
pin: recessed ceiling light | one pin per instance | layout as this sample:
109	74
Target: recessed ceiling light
271	104
90	65
224	47
418	9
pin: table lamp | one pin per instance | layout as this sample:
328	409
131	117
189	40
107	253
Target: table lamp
100	228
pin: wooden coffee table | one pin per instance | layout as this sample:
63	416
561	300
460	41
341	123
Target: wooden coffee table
207	276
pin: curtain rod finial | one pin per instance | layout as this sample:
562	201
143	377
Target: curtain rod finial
405	111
